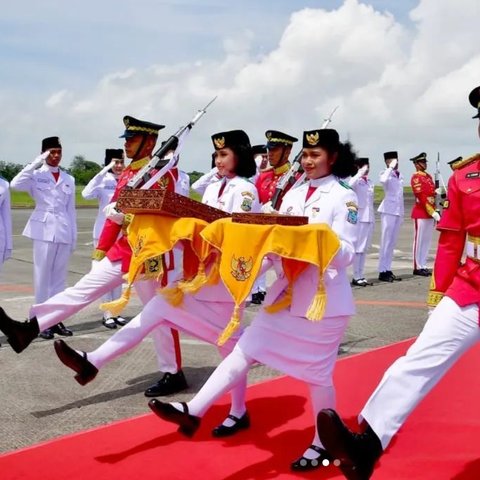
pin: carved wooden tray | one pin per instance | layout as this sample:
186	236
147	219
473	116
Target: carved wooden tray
165	202
269	219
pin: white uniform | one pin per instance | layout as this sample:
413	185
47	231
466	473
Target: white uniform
102	187
364	189
391	212
52	225
182	186
201	184
6	244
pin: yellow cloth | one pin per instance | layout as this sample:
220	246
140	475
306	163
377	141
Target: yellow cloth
243	247
150	237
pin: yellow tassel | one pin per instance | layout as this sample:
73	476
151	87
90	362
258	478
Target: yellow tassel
116	306
173	295
214	274
284	302
231	328
194	285
316	310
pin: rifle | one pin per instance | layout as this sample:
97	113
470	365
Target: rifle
289	178
144	178
440	195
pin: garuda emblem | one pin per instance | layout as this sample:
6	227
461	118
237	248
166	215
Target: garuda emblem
138	247
241	268
312	138
219	142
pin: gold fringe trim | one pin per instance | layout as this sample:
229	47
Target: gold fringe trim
434	298
214	274
282	303
98	254
231	328
194	285
316	310
116	306
173	295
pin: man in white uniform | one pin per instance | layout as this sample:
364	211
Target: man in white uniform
391	213
6	244
52	225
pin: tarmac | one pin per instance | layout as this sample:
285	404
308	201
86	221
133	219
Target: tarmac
41	400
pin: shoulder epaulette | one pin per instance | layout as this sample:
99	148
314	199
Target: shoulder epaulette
465	161
345	185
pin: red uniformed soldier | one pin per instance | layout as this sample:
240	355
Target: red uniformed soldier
451	329
424	214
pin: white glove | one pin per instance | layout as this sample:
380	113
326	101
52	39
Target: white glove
106	168
267	208
393	163
41	158
113	214
436	216
439	190
7	254
363	170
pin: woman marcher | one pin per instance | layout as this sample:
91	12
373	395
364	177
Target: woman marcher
204	314
102	187
287	340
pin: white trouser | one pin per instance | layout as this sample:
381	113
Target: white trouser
390	230
112	294
422	237
50	267
102	278
365	233
448	333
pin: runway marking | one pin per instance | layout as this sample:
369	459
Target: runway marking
389	303
9	287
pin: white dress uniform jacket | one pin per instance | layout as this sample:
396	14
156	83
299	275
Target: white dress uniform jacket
6	244
102	188
201	184
393	187
182	185
364	188
54	217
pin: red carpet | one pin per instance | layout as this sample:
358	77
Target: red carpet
440	440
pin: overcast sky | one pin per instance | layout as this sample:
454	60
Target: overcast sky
400	72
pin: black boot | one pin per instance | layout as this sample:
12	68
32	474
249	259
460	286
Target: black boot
79	363
170	383
19	334
357	452
187	424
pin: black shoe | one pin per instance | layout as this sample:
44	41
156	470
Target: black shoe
79	363
168	384
240	424
304	464
19	334
120	321
109	323
47	334
61	329
421	272
394	277
262	294
385	277
257	298
187	424
361	282
357	452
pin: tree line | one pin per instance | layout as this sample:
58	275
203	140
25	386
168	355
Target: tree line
81	169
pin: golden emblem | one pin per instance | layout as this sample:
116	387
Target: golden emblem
219	142
241	268
312	138
138	247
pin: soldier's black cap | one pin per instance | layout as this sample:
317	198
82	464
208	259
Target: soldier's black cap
279	139
474	99
421	157
232	138
133	127
50	142
259	149
361	161
390	155
111	153
322	137
454	162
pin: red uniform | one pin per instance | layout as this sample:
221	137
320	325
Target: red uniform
111	243
267	182
460	222
423	188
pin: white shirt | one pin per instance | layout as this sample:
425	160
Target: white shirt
6	243
393	188
365	189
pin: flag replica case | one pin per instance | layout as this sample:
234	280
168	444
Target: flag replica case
269	219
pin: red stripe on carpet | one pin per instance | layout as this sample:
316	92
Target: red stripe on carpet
439	441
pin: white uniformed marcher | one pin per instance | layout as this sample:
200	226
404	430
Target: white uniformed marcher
286	340
391	213
204	314
6	243
53	224
102	187
201	184
364	189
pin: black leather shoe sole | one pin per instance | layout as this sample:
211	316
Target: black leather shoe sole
240	424
85	370
187	424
